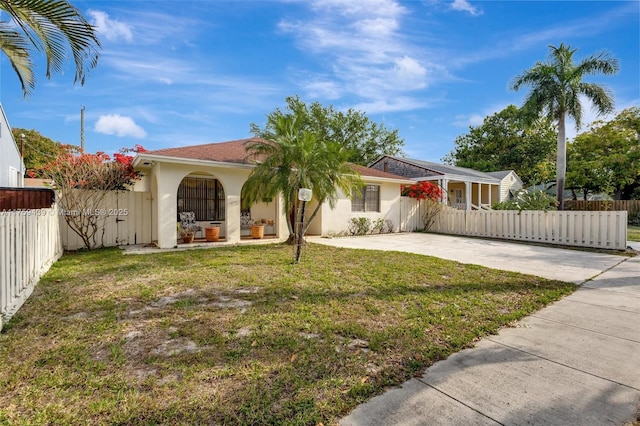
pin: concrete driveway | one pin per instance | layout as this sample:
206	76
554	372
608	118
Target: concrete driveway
545	261
575	362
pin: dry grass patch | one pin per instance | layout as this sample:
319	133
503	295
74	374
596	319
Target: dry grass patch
239	335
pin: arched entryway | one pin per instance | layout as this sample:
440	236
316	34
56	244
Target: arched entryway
263	213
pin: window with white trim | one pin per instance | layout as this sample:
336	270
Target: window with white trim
366	199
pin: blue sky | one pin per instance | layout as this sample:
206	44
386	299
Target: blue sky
175	73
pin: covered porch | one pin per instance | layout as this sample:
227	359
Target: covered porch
210	193
468	194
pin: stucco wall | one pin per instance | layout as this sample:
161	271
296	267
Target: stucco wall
11	169
336	221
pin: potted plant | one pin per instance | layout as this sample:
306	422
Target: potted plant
257	230
212	233
187	234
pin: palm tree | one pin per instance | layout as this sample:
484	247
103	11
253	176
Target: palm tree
555	89
51	27
294	159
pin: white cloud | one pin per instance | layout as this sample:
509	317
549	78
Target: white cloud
410	74
366	52
112	30
477	118
466	120
465	6
323	88
116	124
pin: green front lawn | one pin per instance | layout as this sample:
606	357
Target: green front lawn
633	233
239	335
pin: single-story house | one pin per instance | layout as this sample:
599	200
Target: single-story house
465	189
208	179
11	164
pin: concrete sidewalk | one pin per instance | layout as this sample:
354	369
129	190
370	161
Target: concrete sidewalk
575	362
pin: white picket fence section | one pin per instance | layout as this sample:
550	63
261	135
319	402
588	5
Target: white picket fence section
127	220
596	229
29	244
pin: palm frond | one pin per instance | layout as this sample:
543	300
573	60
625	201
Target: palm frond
16	48
53	27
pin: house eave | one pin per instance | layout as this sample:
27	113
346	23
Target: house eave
460	178
145	161
375	179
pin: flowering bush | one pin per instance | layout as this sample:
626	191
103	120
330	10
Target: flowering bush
424	190
82	182
430	194
80	170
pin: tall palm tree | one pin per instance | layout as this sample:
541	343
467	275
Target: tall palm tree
51	27
294	159
555	89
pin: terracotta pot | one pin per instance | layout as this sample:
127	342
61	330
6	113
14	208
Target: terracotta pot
257	231
187	239
212	234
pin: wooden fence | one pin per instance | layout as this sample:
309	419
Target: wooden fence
125	215
631	206
597	229
26	198
29	244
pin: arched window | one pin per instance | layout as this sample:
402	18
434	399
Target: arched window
204	197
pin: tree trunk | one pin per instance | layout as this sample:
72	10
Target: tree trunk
561	161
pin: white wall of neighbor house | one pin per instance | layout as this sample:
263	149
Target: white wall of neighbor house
509	183
336	221
11	166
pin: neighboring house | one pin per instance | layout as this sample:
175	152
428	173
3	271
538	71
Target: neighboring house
11	164
466	189
208	179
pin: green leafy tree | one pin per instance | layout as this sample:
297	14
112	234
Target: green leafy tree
508	141
606	158
39	150
53	27
555	89
293	158
363	139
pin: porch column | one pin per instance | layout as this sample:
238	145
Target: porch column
167	200
490	191
467	195
233	190
479	196
445	191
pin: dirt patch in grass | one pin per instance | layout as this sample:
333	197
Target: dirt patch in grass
240	335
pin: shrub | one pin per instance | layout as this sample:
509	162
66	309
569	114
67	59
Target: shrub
359	226
378	226
528	200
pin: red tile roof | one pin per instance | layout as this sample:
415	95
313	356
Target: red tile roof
234	152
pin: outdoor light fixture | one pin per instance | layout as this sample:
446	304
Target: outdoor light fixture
304	195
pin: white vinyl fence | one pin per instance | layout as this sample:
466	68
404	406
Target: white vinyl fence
598	229
126	217
29	244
